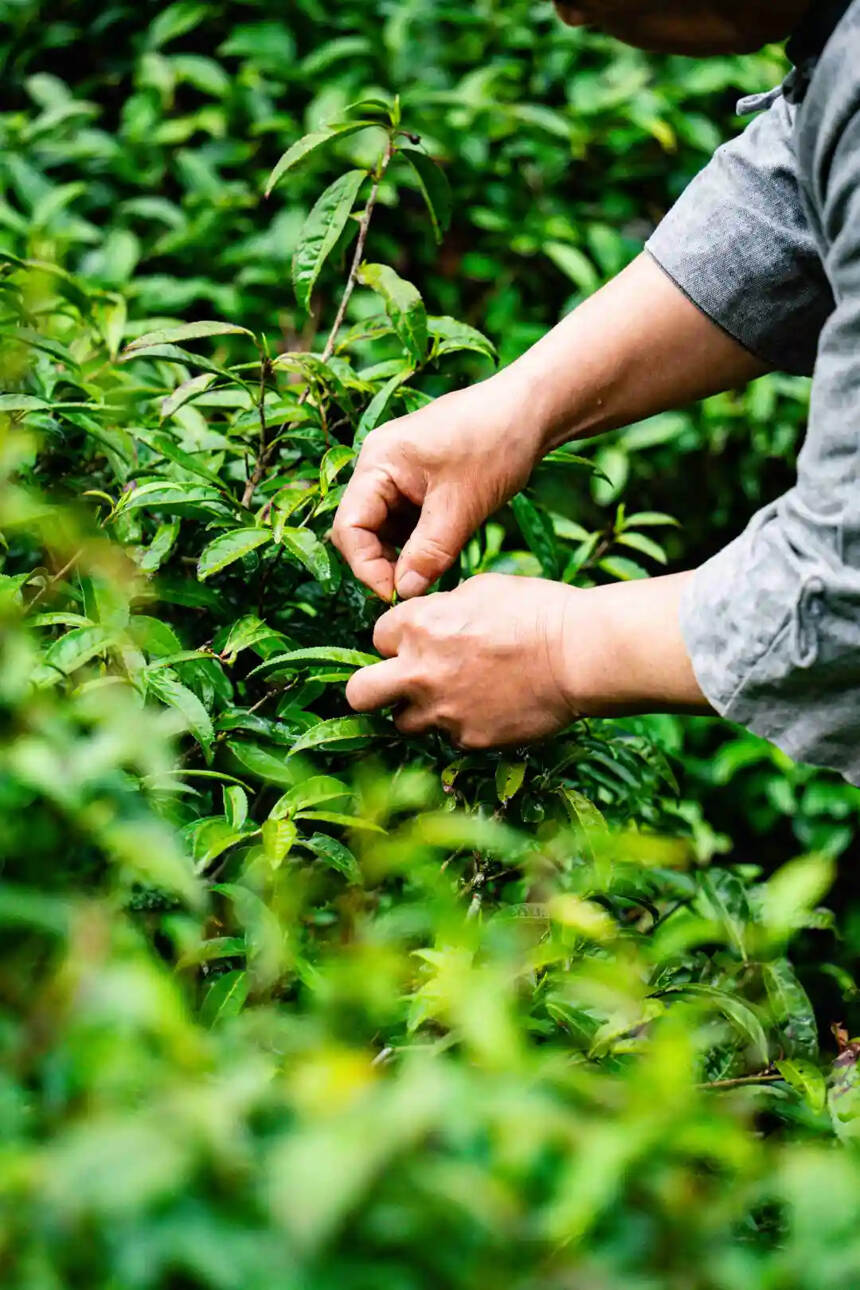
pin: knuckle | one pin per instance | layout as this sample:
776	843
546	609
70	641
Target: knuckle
410	723
435	550
474	740
382	630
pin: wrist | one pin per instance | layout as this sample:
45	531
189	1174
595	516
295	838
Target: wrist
623	652
521	394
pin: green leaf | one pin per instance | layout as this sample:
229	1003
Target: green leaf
225	998
263	764
235	805
77	647
509	779
645	545
279	835
336	855
344	821
264	934
582	811
183	332
305	548
169	494
186	702
573	461
791	1009
536	528
435	189
452	337
160	547
219	947
378	405
154	636
27	336
230	547
175	354
618	566
244	634
650	519
793	892
321	231
310	792
23	403
310	143
574	264
167	447
723	900
339	730
54	619
404	307
185	392
807	1080
333	463
318	654
740	1014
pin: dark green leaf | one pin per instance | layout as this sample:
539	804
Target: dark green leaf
339	731
434	188
230	547
225	998
321	231
309	144
404	307
537	530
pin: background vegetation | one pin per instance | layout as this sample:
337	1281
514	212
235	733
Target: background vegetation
286	999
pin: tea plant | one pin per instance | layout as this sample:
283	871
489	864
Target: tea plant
286	998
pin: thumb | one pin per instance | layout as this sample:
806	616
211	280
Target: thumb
443	528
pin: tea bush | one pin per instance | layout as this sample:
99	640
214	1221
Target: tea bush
288	999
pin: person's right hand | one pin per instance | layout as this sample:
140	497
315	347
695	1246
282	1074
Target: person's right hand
426	481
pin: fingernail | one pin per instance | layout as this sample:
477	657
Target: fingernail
411	584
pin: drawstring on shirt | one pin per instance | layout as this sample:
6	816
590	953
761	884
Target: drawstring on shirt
805	634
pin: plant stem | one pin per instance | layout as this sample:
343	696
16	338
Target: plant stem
262	463
52	582
357	258
743	1081
261	406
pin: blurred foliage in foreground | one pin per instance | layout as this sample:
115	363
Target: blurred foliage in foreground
286	1000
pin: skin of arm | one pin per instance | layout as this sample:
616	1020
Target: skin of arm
503	660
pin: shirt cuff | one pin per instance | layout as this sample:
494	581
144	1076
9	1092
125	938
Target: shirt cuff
772	642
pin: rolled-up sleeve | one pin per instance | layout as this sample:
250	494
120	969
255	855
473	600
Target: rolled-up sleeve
772	623
738	245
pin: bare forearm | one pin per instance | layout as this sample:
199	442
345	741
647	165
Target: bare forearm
623	651
635	348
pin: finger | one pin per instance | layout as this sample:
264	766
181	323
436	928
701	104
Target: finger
414	720
388	632
358	529
442	531
379	686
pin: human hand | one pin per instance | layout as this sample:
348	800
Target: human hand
508	660
488	662
428	480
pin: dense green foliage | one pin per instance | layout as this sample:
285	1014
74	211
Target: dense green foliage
285	999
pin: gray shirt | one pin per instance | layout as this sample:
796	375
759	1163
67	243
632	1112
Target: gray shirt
767	242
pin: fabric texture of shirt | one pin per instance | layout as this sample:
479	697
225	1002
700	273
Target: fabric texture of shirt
766	241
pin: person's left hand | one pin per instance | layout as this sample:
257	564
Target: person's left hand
489	663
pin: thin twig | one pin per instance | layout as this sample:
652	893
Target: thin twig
359	252
265	455
743	1082
264	372
52	581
